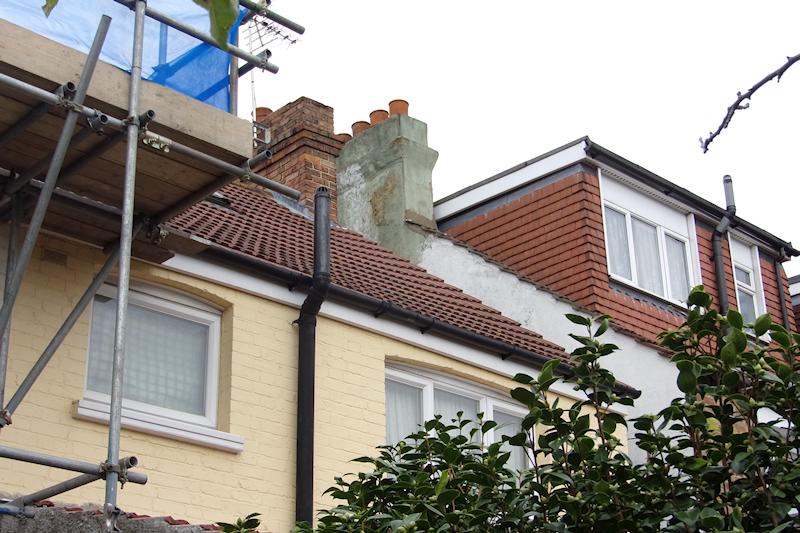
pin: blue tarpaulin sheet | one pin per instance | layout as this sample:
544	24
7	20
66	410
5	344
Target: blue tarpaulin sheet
171	58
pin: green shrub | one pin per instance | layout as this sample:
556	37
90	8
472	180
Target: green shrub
724	457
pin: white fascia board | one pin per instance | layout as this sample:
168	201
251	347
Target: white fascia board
544	166
223	275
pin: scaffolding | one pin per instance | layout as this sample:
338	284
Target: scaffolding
101	218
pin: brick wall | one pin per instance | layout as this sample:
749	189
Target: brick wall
796	316
771	291
304	149
554	236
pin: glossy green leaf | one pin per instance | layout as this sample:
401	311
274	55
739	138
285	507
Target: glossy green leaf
735	319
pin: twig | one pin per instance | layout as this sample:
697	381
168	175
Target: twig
741	103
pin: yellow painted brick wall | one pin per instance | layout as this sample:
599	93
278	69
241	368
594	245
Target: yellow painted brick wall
257	400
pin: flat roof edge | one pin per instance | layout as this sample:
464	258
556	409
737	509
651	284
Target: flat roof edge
640	173
492	187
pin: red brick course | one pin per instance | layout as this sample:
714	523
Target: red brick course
304	149
554	236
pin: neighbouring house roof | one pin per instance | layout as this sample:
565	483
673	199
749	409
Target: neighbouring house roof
259	226
584	149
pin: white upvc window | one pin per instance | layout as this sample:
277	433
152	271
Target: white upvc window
414	396
647	255
171	368
745	292
747	278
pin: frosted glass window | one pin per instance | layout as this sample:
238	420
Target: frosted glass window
677	268
618	251
167	357
510	425
403	410
648	259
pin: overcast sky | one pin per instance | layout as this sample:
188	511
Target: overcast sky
502	82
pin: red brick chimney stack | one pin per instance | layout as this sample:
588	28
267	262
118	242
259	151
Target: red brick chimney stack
304	148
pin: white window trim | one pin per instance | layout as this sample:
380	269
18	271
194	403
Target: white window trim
200	429
488	399
661	234
758	281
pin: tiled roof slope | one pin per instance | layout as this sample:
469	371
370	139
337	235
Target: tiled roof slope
259	226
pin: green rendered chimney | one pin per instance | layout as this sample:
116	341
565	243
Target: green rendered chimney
383	179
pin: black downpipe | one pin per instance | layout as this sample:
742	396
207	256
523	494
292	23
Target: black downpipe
716	240
307	326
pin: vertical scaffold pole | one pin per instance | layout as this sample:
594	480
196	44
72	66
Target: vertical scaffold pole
60	152
125	241
11	259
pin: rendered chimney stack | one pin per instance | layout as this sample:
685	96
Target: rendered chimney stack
384	180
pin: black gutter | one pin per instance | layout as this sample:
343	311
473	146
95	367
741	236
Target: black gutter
713	211
306	352
716	241
382	308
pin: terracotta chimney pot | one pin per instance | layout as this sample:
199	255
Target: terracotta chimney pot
262	113
344	137
378	116
359	126
398	107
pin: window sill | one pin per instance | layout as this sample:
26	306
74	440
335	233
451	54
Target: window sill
97	411
674	305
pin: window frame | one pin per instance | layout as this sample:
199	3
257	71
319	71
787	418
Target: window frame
661	236
428	381
748	289
179	305
757	287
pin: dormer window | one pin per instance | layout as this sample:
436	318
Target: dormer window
646	254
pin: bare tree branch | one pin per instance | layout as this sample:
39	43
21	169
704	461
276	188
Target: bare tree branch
742	100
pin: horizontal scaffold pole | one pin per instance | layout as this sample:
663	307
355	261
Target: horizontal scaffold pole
73	465
67	90
56	100
224	166
261	9
205	37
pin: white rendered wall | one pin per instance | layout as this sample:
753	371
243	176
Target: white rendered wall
636	364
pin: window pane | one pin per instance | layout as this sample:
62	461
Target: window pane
678	269
510	425
403	410
747	305
618	252
648	260
742	276
166	359
448	405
